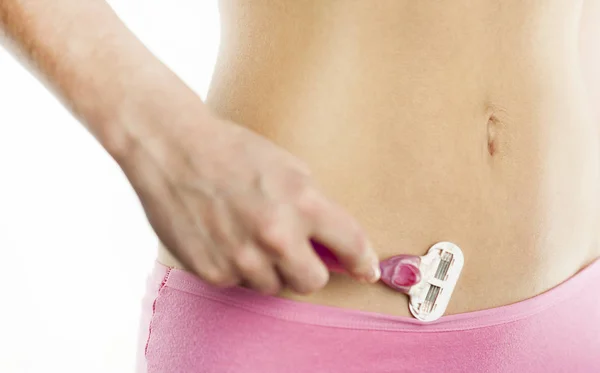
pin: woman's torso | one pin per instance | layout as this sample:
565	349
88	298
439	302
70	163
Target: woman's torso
429	121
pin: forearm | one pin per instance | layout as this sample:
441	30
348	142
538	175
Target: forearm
83	52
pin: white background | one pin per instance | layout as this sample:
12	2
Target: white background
75	248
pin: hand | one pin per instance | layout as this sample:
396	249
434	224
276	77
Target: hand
236	209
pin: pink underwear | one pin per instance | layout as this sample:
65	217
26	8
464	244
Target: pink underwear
190	326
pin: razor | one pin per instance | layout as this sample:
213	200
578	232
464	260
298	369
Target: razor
428	280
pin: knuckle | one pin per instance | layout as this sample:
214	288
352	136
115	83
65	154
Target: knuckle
308	287
307	201
296	183
273	232
247	261
300	286
313	281
316	284
218	277
248	267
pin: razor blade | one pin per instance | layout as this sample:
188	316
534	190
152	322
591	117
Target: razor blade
440	269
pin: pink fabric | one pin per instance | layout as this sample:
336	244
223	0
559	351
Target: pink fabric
193	327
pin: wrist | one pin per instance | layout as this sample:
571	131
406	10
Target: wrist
155	107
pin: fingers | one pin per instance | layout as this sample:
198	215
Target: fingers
339	232
286	232
257	270
247	214
279	251
247	265
282	235
210	266
302	270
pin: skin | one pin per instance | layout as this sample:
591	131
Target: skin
416	122
430	125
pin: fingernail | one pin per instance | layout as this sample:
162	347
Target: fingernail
323	278
375	273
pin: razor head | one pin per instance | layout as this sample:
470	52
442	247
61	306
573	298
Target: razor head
440	269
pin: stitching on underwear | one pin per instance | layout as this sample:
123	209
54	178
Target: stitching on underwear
161	286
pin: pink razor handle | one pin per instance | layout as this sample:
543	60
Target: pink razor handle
399	272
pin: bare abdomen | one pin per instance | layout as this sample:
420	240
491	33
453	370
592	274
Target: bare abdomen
428	124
